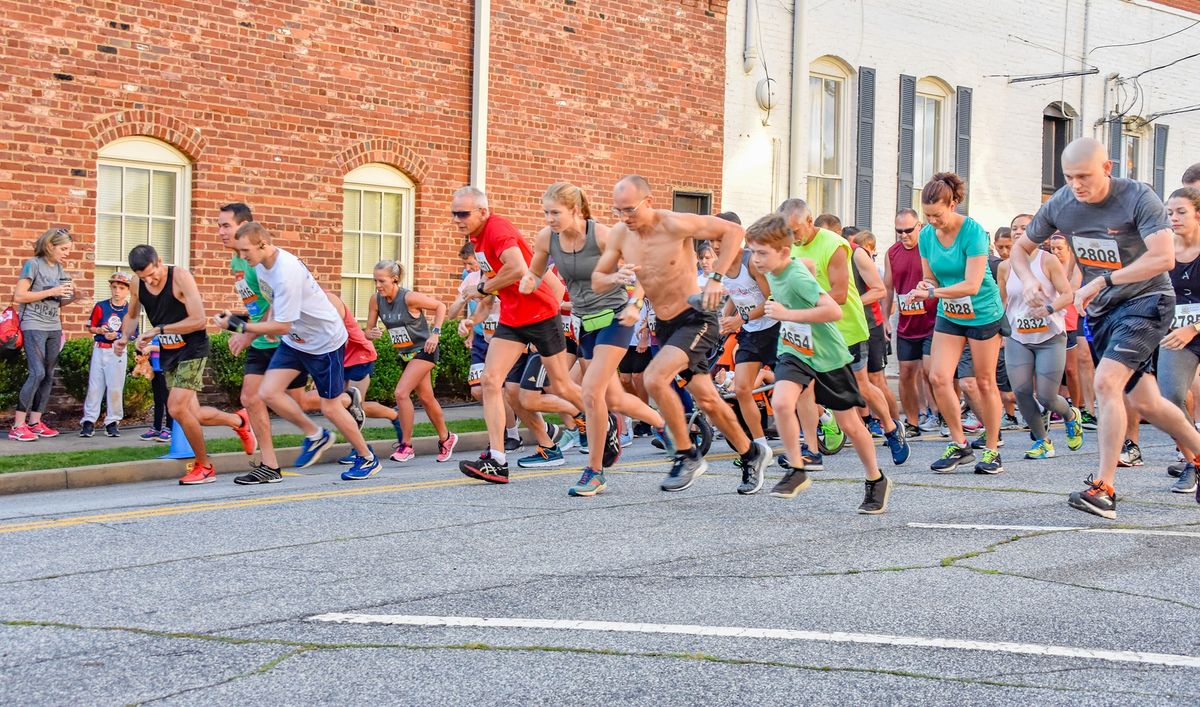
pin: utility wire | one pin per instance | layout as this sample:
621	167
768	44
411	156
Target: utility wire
1144	41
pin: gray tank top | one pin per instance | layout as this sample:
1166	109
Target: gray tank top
576	268
407	333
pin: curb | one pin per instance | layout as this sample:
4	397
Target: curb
226	463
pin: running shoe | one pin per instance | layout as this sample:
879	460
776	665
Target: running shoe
875	499
198	474
149	435
686	468
446	447
363	468
612	442
41	429
928	422
813	461
943	428
954	455
971	423
1131	454
569	440
1176	470
831	433
1075	430
1089	420
989	463
245	432
349	458
897	444
513	445
875	427
403	453
1098	498
22	433
662	440
980	442
485	469
754	465
112	430
310	450
1041	449
88	428
589	484
642	429
543	457
792	483
164	437
356	409
911	430
554	432
259	474
627	436
1010	422
1186	483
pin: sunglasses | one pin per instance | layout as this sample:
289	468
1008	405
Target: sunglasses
905	231
461	215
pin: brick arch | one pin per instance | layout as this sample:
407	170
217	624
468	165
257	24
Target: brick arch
386	151
149	123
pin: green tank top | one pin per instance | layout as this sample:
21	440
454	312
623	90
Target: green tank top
825	246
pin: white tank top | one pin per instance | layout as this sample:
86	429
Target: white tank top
1032	326
746	295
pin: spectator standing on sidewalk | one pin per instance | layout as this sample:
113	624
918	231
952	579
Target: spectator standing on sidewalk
106	373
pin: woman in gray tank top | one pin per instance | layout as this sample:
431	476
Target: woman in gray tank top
391	314
576	242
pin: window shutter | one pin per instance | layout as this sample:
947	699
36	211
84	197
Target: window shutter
865	174
962	143
1115	128
904	161
1160	159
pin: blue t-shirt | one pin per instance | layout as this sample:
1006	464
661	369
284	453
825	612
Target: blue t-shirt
110	317
949	267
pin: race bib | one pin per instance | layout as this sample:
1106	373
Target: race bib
651	322
484	266
475	374
254	306
490	324
400	338
797	337
1096	252
958	308
744	306
170	341
1030	325
1186	315
909	306
571	328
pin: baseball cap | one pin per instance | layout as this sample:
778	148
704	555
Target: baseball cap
120	277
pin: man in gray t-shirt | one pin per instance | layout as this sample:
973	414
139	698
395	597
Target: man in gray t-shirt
1124	246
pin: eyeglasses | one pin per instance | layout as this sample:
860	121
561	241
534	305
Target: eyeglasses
905	231
461	215
627	211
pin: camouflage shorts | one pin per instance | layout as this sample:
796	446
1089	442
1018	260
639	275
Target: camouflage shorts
188	375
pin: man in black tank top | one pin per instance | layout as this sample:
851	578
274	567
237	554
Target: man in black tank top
177	318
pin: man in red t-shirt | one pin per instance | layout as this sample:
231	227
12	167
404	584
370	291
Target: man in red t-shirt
525	319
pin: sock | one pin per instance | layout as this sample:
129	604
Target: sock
316	436
512	432
498	456
760	440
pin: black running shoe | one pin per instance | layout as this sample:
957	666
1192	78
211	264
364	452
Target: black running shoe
612	442
753	465
87	429
512	445
485	469
356	408
952	458
259	474
989	463
1098	498
876	499
792	483
112	430
685	470
911	430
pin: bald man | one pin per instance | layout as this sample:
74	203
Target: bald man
1123	243
658	250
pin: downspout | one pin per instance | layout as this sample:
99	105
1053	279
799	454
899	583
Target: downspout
798	133
480	72
1082	109
750	50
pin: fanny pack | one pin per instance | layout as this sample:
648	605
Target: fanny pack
592	322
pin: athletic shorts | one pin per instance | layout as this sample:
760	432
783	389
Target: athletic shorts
870	354
1131	333
615	334
966	369
913	349
1002	381
479	349
757	346
188	375
328	370
259	360
518	369
635	361
534	376
1072	339
546	335
836	389
358	372
422	355
693	332
983	332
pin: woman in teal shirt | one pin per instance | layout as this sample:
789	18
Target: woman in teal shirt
954	255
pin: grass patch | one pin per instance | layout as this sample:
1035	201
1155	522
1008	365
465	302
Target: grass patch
110	455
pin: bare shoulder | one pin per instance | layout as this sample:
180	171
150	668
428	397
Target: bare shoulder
542	240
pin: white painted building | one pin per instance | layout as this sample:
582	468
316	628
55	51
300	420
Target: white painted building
955	64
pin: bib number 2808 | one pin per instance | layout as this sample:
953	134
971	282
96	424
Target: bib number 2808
1097	253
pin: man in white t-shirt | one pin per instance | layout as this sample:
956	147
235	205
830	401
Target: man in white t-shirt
312	340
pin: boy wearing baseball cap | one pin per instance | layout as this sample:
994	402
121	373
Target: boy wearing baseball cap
106	378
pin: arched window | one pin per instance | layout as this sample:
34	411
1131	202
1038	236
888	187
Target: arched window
828	82
377	224
931	133
1057	129
143	190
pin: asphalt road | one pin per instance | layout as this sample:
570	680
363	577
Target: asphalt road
159	593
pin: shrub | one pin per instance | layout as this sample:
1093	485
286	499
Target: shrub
75	363
449	376
13	372
225	368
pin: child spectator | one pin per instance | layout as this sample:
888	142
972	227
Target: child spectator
160	431
107	373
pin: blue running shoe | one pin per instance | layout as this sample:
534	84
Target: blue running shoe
875	427
662	440
569	440
348	460
362	469
543	457
898	445
310	451
812	462
589	484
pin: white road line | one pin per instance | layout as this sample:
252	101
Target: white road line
1183	661
1055	528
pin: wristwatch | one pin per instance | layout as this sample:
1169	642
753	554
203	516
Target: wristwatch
636	302
160	330
745	317
479	288
716	276
929	289
1107	279
436	330
1049	309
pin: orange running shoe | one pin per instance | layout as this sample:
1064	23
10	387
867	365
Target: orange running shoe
199	474
246	433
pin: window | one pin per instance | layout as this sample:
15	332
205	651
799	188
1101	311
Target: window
1131	147
825	143
377	224
1056	133
692	203
930	127
142	196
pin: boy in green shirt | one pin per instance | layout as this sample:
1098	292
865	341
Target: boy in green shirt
811	351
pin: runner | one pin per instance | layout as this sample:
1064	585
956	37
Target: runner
832	256
1180	353
313	341
176	313
1002	245
869	282
1191	176
813	354
402	315
914	325
954	253
1123	242
656	247
576	242
1037	351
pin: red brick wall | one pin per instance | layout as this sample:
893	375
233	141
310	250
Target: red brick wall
1188	5
275	101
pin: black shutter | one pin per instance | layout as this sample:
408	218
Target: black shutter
865	174
962	143
904	161
1115	130
1160	159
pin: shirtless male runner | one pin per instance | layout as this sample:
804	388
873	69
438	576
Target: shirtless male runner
657	247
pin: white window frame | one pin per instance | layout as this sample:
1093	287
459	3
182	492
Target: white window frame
829	68
1130	132
141	152
384	179
931	89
